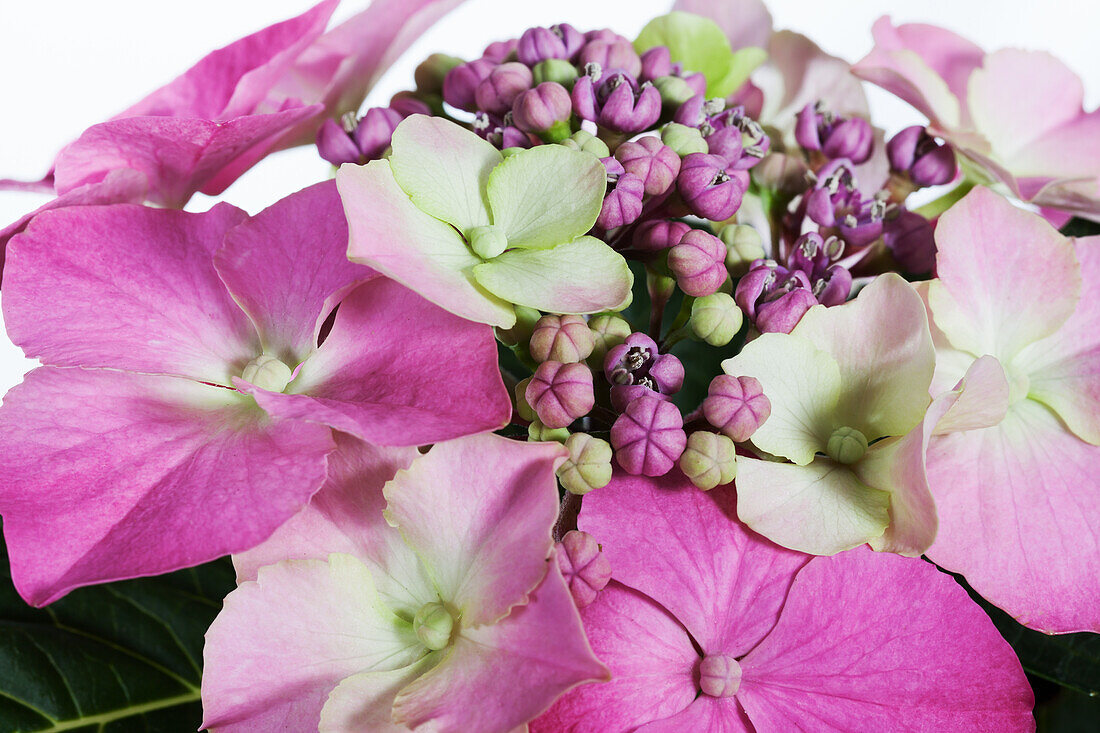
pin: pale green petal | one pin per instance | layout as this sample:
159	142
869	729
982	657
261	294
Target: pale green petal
883	347
444	168
822	508
390	234
582	276
546	195
896	466
803	384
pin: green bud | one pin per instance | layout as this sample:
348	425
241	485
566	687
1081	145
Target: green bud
709	460
523	408
683	140
674	91
556	70
539	433
487	241
716	319
520	333
846	445
431	71
586	141
608	332
433	625
267	372
743	245
588	466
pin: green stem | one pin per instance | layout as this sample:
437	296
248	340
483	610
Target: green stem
934	208
119	714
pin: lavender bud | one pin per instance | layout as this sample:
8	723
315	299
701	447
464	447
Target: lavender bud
623	204
335	145
656	62
616	54
709	189
652	161
698	262
499	89
460	84
539	44
544	111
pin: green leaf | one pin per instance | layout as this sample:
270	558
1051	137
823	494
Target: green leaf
113	658
1080	228
701	46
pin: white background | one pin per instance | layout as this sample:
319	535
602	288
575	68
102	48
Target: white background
67	64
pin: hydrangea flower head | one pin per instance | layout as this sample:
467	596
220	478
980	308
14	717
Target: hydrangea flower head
476	233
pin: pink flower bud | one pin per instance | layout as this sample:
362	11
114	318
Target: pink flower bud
611	54
699	263
658	234
335	144
709	189
540	109
784	313
375	131
560	393
652	161
737	406
460	84
585	568
498	51
623	204
656	62
497	91
719	675
539	44
649	436
561	338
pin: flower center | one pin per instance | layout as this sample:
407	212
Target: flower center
267	372
433	625
846	445
719	675
487	242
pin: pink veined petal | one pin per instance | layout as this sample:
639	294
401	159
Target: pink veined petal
1068	151
745	22
283	642
706	713
987	250
1064	369
178	155
950	55
1017	518
951	363
979	400
652	663
127	287
364	701
287	268
108	475
1072	197
502	675
233	80
685	549
879	642
117	187
478	512
1019	98
345	516
397	370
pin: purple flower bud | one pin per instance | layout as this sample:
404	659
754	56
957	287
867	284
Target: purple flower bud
624	106
635	368
560	393
586	570
736	405
736	137
539	44
500	51
656	62
584	99
928	162
335	144
699	263
573	39
910	239
460	84
652	161
697	82
604	34
617	54
691	112
561	338
835	202
711	191
509	136
783	314
499	89
375	131
816	257
658	234
407	104
775	297
623	204
835	136
649	436
543	109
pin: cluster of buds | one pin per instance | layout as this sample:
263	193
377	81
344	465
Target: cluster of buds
355	139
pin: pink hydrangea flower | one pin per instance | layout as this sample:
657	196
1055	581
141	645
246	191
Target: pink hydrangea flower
430	601
185	409
1016	115
707	626
264	92
1016	321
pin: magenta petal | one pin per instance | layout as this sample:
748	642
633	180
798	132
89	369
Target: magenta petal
499	676
652	664
879	642
127	287
706	713
397	370
287	267
178	155
685	549
1017	520
233	80
108	475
